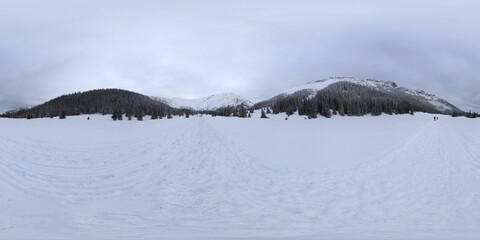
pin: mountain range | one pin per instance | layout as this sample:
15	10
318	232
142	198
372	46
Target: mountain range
209	103
374	96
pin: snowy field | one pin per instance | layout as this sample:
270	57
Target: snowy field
388	177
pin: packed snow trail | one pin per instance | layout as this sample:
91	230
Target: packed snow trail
183	178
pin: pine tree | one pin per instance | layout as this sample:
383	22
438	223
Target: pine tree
242	112
63	115
117	115
263	114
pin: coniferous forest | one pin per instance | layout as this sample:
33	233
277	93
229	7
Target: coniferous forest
105	101
341	98
345	98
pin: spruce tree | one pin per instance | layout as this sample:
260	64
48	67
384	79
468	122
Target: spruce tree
242	112
263	114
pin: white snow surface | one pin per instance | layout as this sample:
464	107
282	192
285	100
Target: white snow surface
211	102
380	85
395	177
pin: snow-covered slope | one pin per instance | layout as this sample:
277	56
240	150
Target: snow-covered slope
321	84
211	102
395	177
386	86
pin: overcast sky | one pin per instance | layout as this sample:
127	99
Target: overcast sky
252	48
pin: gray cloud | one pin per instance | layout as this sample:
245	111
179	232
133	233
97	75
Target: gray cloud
254	48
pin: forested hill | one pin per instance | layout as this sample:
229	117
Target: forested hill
355	99
357	96
105	101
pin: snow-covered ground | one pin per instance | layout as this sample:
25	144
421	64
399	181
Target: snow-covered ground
396	177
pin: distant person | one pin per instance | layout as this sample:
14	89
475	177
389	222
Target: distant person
88	118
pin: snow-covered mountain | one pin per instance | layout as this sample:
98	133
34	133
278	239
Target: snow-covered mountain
211	102
310	89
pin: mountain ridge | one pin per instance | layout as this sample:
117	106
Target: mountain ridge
310	89
208	103
295	97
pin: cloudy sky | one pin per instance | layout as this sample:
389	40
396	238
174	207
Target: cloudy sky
253	48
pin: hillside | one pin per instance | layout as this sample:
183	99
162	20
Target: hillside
360	87
105	101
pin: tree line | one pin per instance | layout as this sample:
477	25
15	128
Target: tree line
105	101
342	98
241	111
345	98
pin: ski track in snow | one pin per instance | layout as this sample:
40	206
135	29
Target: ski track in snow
193	182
